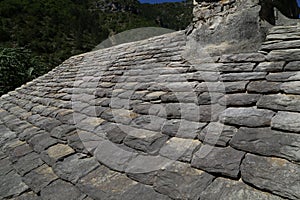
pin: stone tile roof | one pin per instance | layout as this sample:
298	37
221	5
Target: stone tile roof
141	121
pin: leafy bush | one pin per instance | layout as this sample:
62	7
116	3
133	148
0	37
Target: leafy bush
17	66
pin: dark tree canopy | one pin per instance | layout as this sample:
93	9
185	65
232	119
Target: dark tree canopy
289	8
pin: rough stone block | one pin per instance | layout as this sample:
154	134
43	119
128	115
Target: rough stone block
75	167
250	117
217	134
143	140
243	57
269	67
272	174
180	181
283	76
55	153
113	156
61	190
288	121
225	161
39	178
224	189
268	142
182	128
291	87
284	55
293	66
263	87
280	102
239	99
103	183
245	76
179	149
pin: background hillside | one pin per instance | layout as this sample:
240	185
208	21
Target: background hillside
37	35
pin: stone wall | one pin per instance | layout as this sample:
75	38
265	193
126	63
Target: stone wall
228	26
152	120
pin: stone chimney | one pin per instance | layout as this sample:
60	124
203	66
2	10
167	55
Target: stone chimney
228	26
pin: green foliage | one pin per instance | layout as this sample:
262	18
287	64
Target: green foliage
17	66
54	30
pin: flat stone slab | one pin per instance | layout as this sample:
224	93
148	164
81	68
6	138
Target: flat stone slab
244	76
103	183
283	76
145	192
250	117
11	184
182	128
179	149
217	134
239	99
74	167
291	87
243	57
225	161
284	55
269	66
272	174
288	121
293	66
61	190
280	102
40	177
113	156
143	140
180	181
56	152
268	142
224	189
263	87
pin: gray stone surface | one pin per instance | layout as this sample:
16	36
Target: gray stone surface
224	161
75	167
180	181
292	66
245	76
284	76
143	140
280	102
268	142
181	128
141	120
61	190
39	178
239	99
113	156
263	87
250	117
11	184
103	183
291	87
140	191
224	189
179	149
284	55
269	67
272	174
288	121
217	134
27	163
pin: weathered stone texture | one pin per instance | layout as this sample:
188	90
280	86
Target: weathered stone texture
272	174
265	141
250	117
225	161
142	120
